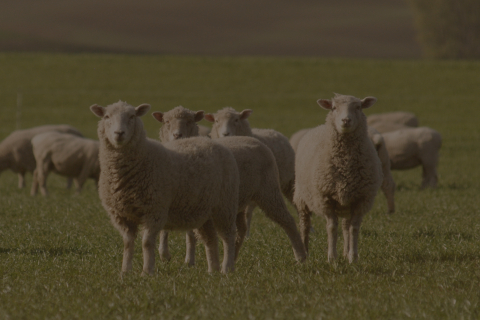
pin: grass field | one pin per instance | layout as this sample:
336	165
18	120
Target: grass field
60	257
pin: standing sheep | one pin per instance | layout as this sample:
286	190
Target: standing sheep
392	121
16	151
388	184
412	147
180	123
68	155
338	173
258	182
181	185
228	122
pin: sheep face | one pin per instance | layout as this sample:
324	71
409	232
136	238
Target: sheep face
119	121
346	111
178	123
228	122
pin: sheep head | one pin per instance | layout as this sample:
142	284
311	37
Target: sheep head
228	122
178	123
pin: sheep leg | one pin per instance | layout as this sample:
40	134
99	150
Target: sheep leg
248	214
389	192
346	236
305	224
277	211
191	241
69	183
209	238
148	248
21	180
429	176
129	233
34	189
241	232
332	229
163	246
80	180
42	174
354	231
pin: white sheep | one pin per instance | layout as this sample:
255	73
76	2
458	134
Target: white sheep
258	181
392	121
338	173
412	147
16	151
67	155
228	122
388	184
181	185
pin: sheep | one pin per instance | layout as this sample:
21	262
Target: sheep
180	185
258	182
388	184
184	122
66	154
228	122
338	173
392	121
16	151
412	147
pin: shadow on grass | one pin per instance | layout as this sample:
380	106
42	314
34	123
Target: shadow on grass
54	252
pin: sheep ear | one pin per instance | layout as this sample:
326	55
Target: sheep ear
377	140
198	116
97	110
368	102
245	114
142	109
158	116
209	117
325	104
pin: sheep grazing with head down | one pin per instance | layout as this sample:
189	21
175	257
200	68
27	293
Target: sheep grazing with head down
392	121
258	182
228	122
338	173
181	185
16	151
67	155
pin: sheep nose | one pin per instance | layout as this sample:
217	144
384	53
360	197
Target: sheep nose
119	133
346	121
177	135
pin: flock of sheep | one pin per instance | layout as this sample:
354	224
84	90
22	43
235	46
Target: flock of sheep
207	183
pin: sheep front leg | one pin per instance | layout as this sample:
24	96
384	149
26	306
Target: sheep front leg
209	238
129	233
241	232
305	225
163	246
248	215
191	241
346	237
354	231
148	247
21	180
34	189
332	229
42	178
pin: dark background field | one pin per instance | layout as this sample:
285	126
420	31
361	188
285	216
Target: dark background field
341	28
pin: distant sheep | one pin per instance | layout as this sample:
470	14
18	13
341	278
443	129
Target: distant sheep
258	182
228	122
392	121
67	155
338	173
180	185
16	151
412	147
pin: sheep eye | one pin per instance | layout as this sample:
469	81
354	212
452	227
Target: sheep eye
132	116
236	120
106	117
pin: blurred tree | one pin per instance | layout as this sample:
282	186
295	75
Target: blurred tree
448	28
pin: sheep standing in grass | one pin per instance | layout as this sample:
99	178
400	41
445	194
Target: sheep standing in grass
258	181
181	185
16	151
412	147
338	173
388	184
228	122
68	155
392	121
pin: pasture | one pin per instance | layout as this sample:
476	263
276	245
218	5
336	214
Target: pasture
60	257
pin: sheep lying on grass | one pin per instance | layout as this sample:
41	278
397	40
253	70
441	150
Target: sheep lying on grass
228	122
392	121
338	173
68	155
388	184
16	151
412	147
181	185
258	181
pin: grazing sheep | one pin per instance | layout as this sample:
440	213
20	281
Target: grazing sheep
68	155
412	147
338	173
180	185
258	183
388	184
392	121
228	122
16	151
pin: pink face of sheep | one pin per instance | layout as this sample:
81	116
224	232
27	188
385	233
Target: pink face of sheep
178	126
227	122
347	111
120	120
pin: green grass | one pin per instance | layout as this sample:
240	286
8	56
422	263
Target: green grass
60	257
